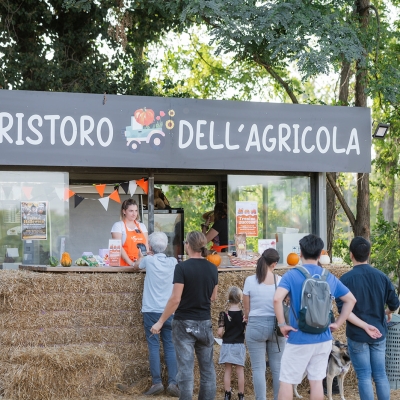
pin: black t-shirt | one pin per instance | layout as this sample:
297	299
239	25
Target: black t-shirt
199	278
234	329
221	226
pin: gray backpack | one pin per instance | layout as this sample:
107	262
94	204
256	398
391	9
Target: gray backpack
316	303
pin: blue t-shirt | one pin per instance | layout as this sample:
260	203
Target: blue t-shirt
292	281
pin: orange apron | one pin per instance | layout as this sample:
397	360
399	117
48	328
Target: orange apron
130	245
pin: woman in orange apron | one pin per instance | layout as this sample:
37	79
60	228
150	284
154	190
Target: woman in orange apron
131	232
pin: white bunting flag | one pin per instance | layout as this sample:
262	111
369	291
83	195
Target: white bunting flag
132	187
104	202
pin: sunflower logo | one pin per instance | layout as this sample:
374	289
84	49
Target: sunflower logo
169	124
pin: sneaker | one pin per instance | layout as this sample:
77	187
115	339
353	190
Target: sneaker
173	390
227	395
241	396
155	389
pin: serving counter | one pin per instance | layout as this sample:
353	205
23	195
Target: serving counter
96	311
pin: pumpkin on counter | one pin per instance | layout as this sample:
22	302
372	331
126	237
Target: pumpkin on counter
293	259
66	260
214	258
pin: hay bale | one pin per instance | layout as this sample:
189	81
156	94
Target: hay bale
89	310
59	373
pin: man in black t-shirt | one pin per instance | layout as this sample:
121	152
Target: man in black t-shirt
195	287
366	327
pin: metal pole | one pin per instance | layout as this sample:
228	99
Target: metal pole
150	205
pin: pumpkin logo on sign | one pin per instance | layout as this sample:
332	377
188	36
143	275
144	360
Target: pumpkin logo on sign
147	127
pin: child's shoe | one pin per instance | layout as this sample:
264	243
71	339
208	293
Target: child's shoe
227	395
241	396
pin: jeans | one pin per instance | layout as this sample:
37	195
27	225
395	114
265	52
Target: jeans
191	337
261	339
153	344
369	360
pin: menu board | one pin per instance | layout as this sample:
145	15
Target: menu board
114	252
247	218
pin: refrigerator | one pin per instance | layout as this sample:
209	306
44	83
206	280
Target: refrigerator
171	222
288	243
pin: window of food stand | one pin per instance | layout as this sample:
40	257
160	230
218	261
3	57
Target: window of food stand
283	205
33	215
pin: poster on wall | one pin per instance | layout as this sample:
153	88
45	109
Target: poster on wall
264	244
247	218
34	220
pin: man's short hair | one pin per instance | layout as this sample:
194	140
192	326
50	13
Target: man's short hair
360	248
158	242
311	247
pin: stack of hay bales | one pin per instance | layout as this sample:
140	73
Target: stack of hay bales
73	334
68	335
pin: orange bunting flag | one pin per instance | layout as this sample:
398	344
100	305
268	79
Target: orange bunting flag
68	193
100	189
27	191
144	184
115	196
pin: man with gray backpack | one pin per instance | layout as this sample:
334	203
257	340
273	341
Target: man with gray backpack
311	290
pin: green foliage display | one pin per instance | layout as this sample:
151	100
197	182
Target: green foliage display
194	199
385	250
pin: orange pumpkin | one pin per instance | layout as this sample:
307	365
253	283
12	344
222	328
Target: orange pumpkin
214	258
293	259
324	252
144	116
66	260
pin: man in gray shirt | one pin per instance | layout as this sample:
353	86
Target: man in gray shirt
157	290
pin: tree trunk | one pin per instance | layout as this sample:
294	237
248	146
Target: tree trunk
362	223
331	211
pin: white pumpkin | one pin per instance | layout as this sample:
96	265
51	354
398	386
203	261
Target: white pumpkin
324	259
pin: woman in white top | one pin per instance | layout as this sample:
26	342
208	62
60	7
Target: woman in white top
258	294
131	232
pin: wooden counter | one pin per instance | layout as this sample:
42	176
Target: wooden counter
76	268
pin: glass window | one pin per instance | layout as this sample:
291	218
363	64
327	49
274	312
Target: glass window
43	221
282	202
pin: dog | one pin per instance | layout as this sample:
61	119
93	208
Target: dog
338	365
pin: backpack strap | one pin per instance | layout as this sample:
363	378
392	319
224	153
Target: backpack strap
303	271
324	274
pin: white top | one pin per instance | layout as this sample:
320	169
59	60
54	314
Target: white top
261	297
158	281
119	227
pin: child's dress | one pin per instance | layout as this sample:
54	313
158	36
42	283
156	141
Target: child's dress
233	350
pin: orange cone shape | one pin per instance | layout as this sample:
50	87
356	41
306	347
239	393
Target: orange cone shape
115	196
144	185
68	193
100	189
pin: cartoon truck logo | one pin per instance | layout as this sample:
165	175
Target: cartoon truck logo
146	128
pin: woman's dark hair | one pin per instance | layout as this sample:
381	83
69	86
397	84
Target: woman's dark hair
125	205
220	211
360	248
197	242
267	258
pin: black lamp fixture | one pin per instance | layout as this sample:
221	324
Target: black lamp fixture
381	130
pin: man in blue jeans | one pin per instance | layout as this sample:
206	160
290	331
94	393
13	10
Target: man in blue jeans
157	290
366	326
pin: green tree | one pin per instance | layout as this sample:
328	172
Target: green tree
194	199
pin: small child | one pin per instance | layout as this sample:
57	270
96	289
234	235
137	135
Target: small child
231	328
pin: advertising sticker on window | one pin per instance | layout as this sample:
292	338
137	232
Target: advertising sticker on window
247	218
34	220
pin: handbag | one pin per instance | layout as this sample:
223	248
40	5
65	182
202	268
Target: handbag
286	311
